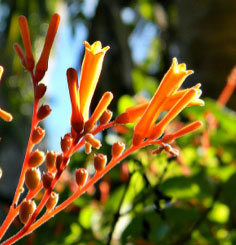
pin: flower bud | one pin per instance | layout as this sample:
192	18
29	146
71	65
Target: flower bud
88	148
158	150
105	117
6	116
36	158
52	201
20	53
167	147
51	160
43	112
37	135
81	176
40	90
93	141
100	161
117	149
32	178
47	180
27	208
59	160
66	143
100	108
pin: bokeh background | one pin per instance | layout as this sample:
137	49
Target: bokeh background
149	199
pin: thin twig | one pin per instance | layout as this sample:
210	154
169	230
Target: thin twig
117	214
186	236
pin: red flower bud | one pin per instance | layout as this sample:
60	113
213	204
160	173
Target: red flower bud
100	161
40	90
81	176
36	158
51	160
52	201
27	208
47	180
43	112
32	178
37	135
117	149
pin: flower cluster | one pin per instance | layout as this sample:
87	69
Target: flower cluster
149	127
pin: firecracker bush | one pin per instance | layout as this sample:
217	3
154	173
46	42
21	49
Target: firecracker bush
162	190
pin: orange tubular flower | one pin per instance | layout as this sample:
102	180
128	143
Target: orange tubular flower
172	100
90	72
228	89
183	131
101	107
169	84
6	116
42	64
1	72
178	107
24	30
77	121
132	114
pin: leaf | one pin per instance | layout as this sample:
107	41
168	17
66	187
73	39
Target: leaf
219	213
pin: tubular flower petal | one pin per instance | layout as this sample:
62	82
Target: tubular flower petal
183	131
228	89
169	84
20	53
101	107
173	99
178	107
24	30
6	116
42	64
1	72
77	120
133	113
90	72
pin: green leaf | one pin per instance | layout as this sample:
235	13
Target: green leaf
180	187
85	217
219	213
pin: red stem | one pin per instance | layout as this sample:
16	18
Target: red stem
13	211
78	193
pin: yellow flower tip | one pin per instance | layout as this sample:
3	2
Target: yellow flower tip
6	116
174	62
95	48
180	68
198	85
196	100
1	72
